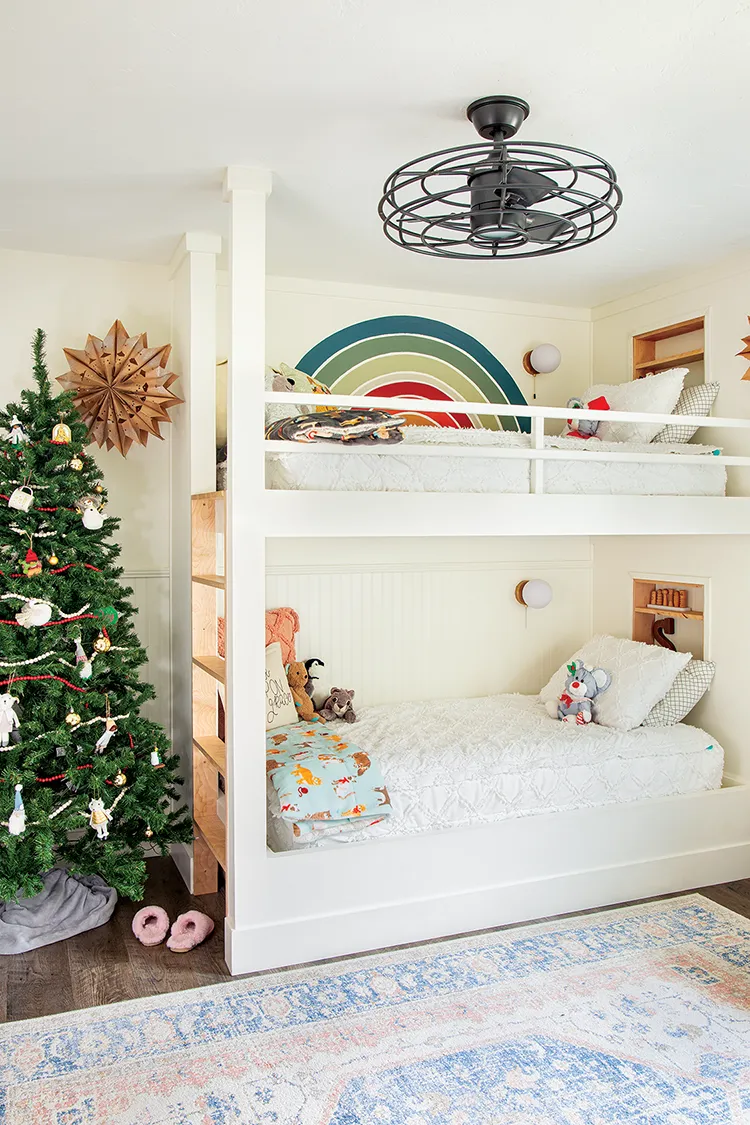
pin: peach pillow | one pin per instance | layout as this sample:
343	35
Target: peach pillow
281	625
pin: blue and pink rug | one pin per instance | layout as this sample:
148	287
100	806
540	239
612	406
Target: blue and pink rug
638	1016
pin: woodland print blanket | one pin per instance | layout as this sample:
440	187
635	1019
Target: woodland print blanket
322	779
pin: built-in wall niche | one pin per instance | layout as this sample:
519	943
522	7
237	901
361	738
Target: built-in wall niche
670	613
674	345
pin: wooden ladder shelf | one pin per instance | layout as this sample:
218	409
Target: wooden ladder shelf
209	749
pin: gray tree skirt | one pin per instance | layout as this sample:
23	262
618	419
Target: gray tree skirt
68	905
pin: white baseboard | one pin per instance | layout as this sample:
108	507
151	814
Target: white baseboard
299	940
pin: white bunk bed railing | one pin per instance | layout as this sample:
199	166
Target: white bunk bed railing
535	452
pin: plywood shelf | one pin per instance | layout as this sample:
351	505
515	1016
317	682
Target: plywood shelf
669	611
214	833
214	749
214	665
216	580
665	362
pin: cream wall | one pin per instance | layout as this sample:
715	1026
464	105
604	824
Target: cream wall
721	562
70	298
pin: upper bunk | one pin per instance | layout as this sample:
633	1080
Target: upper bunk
527	482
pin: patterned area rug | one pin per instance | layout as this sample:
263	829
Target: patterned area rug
638	1016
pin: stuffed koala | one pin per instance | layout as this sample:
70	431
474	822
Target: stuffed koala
582	686
339	705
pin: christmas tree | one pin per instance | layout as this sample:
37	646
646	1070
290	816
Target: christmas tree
85	780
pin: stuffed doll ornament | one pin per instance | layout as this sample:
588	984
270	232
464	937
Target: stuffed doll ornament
582	686
584	428
9	721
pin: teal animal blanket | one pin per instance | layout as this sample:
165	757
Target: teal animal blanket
322	779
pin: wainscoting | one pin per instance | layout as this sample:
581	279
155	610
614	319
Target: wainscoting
151	599
396	622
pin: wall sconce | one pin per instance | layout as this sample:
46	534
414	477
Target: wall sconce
533	593
541	360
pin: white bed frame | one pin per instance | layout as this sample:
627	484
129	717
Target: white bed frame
295	907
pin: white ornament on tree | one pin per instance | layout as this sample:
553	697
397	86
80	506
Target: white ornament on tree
17	819
104	739
35	612
9	720
17	434
21	498
99	817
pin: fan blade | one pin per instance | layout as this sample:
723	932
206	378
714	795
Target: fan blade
529	187
548	228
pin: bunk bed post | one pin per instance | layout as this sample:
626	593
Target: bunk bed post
193	455
246	190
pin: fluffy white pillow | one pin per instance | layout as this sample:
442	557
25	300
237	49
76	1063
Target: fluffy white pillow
280	709
691	685
656	394
641	675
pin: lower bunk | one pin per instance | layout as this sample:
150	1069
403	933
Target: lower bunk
451	764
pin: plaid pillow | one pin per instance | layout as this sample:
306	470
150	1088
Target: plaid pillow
690	685
693	400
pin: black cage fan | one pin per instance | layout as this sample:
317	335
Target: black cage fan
501	199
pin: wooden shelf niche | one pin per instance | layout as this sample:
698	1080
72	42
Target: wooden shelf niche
209	750
675	345
688	635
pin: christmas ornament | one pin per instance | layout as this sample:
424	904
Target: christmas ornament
149	832
121	387
104	739
17	819
155	759
73	719
120	779
83	664
9	721
102	642
109	615
31	565
61	434
91	513
99	818
98	488
53	560
17	434
21	498
76	464
35	612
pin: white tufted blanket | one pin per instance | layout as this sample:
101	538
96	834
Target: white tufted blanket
453	763
360	471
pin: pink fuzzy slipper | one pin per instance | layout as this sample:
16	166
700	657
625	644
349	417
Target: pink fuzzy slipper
151	925
189	930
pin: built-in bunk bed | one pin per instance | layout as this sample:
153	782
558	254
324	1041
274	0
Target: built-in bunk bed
519	815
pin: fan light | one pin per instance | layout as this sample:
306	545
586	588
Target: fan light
483	200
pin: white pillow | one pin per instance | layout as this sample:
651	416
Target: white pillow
693	400
689	687
280	709
641	675
655	394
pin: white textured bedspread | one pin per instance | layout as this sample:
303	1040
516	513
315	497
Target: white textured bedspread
454	763
360	471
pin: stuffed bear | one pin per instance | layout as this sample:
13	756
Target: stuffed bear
584	428
339	705
296	675
582	686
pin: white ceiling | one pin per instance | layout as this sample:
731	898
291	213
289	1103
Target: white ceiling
118	119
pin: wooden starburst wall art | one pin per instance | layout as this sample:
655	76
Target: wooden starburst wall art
745	353
121	387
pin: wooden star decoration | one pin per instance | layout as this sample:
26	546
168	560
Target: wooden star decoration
121	387
745	353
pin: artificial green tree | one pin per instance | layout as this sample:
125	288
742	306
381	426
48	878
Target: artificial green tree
97	780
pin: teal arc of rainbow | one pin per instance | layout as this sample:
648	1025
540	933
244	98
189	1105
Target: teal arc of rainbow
416	357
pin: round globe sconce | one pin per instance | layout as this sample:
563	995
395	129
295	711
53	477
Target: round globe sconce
533	593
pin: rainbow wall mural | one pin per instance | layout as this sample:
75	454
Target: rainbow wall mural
420	358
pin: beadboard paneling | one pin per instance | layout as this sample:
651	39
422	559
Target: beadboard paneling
404	628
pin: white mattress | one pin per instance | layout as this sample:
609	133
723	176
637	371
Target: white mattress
454	763
360	471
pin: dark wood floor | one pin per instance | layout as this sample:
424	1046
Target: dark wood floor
108	964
